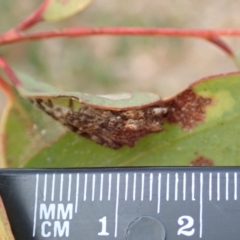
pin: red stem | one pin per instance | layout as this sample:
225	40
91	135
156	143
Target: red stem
5	87
221	44
5	67
77	32
34	18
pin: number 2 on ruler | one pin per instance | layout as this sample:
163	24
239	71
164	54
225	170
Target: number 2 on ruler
104	227
185	230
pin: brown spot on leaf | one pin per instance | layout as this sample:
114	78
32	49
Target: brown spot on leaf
187	109
202	161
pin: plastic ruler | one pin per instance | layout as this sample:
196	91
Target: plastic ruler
149	203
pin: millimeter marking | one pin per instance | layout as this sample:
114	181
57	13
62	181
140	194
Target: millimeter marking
101	188
184	186
85	187
235	186
126	186
201	205
53	187
45	188
150	186
193	187
61	188
227	180
93	186
117	202
159	192
210	186
77	193
134	186
142	189
176	186
218	186
109	186
35	206
69	186
167	187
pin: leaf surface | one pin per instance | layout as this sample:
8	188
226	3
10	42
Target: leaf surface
35	89
202	135
26	130
60	9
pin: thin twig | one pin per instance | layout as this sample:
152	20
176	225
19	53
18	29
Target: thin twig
221	44
9	72
30	21
6	88
34	18
130	31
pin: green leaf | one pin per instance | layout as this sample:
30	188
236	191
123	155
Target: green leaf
27	130
35	89
58	10
202	128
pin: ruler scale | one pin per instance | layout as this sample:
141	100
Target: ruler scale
123	203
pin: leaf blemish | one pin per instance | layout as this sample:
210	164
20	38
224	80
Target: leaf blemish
187	109
201	161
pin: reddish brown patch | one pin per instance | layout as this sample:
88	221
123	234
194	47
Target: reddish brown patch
187	109
202	161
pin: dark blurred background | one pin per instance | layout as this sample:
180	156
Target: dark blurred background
106	64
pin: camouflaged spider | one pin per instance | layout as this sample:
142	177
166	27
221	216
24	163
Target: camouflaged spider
109	128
